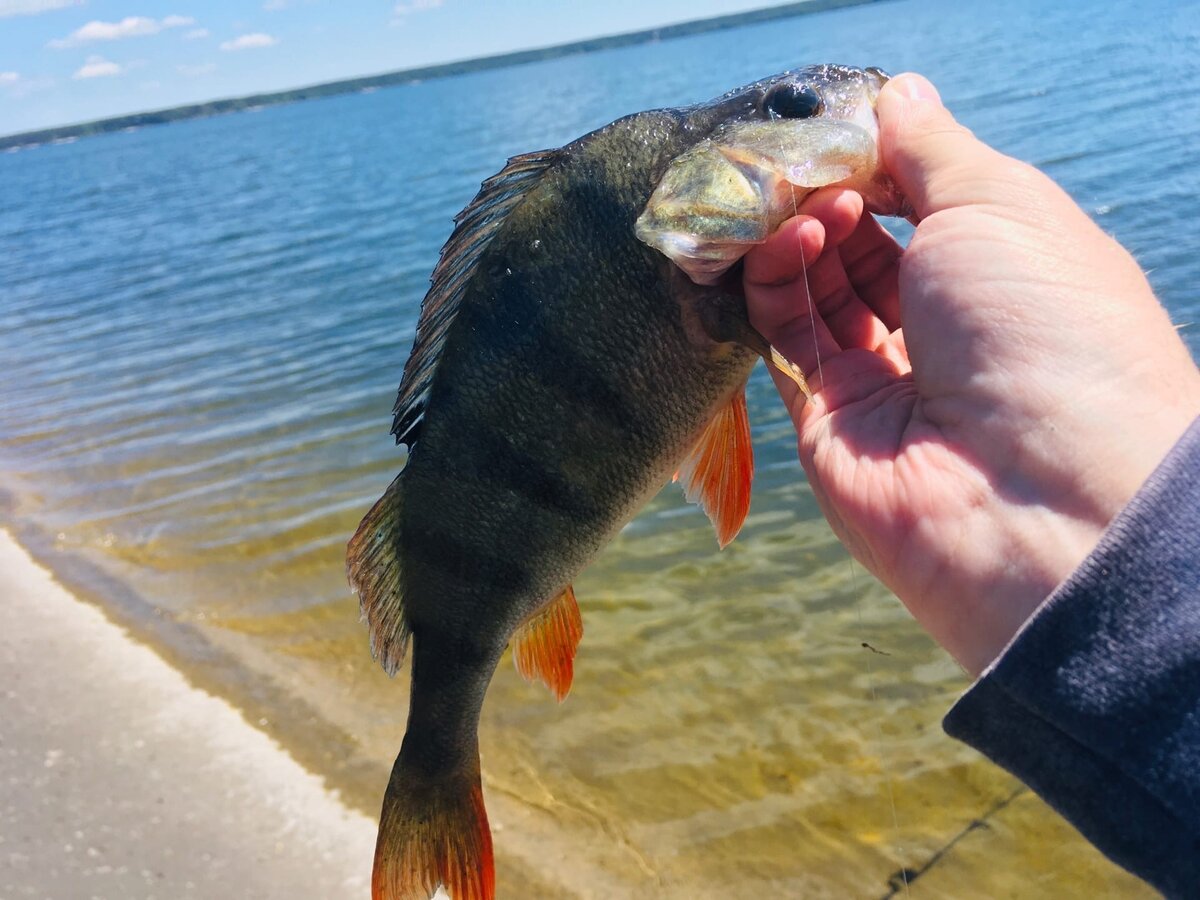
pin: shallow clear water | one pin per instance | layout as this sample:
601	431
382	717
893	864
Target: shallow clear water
203	329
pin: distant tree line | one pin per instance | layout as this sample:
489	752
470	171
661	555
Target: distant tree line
406	76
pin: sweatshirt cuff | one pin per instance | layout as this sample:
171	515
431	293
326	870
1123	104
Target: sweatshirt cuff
1096	702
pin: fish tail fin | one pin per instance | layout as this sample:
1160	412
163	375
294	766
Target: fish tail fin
433	831
373	567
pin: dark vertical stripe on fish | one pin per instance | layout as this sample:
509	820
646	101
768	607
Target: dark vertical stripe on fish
587	386
468	564
506	464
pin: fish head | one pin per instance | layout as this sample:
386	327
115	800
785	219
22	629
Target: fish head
760	150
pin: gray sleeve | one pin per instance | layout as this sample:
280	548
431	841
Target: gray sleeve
1096	702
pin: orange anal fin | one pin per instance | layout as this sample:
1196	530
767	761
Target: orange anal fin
544	647
718	472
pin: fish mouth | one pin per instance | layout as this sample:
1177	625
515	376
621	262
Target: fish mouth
733	188
878	77
888	201
883	198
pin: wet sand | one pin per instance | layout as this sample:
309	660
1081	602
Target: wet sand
121	780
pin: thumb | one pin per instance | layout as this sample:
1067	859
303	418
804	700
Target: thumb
936	162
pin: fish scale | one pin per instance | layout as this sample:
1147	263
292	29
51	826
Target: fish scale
564	368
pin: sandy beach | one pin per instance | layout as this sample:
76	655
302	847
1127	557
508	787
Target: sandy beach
121	780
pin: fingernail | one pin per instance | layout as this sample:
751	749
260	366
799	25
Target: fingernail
916	87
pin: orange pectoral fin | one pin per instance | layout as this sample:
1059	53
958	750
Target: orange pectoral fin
544	647
792	371
718	472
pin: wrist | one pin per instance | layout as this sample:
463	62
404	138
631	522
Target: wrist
1036	544
1040	551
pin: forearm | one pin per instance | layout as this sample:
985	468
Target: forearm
1096	702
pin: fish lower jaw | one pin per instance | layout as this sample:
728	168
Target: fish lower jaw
703	261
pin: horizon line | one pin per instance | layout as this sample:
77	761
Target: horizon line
391	78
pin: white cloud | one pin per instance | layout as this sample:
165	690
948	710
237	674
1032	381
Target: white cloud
196	71
402	10
130	26
195	34
97	67
412	6
275	5
33	7
250	42
17	86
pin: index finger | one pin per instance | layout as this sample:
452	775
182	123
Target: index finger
780	259
871	258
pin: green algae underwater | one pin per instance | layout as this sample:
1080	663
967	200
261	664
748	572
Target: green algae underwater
208	322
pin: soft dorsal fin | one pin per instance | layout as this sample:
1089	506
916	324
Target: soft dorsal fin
718	472
373	567
474	228
544	647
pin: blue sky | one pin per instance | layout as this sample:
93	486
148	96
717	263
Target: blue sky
65	61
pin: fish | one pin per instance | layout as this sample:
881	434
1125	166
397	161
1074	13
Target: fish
583	341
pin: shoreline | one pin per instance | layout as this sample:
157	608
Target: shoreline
126	780
72	132
135	774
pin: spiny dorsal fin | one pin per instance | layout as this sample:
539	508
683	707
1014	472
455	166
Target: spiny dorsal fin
544	647
474	228
374	572
718	472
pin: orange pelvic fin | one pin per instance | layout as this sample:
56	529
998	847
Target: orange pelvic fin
433	831
544	647
718	472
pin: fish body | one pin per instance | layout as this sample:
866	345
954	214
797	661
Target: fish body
565	367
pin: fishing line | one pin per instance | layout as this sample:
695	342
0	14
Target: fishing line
908	875
812	309
887	778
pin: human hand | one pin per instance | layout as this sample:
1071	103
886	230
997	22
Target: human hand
972	458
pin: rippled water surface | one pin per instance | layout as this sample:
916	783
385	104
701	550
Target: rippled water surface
203	329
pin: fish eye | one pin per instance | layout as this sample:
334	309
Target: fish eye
792	101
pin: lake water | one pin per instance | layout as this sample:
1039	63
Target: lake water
203	329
